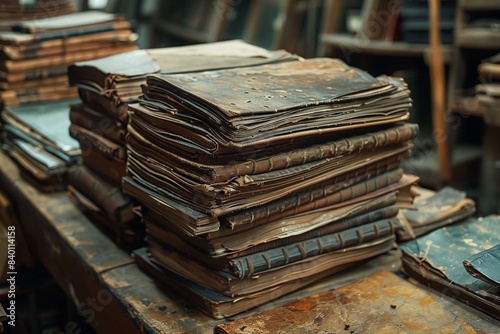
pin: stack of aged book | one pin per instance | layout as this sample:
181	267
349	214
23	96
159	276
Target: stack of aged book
461	261
106	86
35	54
257	181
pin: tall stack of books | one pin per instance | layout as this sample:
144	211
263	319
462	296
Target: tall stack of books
257	181
35	54
106	86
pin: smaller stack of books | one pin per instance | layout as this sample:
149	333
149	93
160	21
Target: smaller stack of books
35	54
106	87
258	181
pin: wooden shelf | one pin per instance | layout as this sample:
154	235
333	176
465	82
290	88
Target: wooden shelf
376	47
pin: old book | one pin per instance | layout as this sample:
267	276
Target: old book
43	170
254	264
95	122
379	303
272	161
105	157
190	221
218	305
484	265
252	190
111	82
444	207
37	74
80	23
27	65
228	243
49	47
46	122
436	259
220	124
234	285
42	93
60	79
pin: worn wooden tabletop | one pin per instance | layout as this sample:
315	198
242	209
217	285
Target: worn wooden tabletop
112	293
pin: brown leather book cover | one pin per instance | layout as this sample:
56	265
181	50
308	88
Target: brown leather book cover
250	191
379	303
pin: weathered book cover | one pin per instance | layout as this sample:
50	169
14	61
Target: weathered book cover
228	104
379	303
437	259
444	207
485	265
262	261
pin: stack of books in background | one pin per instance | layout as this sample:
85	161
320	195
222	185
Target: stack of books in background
34	57
258	181
106	86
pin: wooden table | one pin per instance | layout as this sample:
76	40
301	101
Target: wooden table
113	295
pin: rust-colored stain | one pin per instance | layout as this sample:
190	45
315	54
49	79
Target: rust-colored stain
426	301
303	305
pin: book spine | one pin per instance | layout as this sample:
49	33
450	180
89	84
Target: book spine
278	208
366	218
253	264
368	142
107	197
